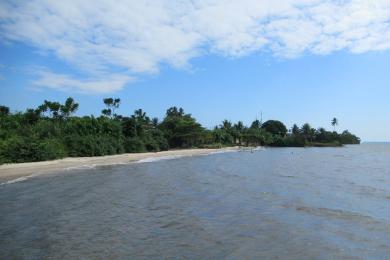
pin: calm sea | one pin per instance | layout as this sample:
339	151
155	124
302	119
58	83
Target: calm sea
288	203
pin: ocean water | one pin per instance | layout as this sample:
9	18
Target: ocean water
278	203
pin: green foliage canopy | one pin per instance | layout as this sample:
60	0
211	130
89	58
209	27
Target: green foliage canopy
50	131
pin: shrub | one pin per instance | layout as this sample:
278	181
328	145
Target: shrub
134	145
18	149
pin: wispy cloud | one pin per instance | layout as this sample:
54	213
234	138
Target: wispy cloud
107	84
136	37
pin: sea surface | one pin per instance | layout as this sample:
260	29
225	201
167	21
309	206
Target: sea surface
272	203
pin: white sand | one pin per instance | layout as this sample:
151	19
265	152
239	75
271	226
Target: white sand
14	171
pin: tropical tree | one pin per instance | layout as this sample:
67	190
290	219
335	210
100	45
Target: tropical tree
155	122
239	126
180	129
140	115
295	130
111	105
31	116
334	123
275	127
69	107
226	124
175	112
4	111
39	133
221	136
306	131
106	112
237	132
41	110
256	136
256	124
321	135
347	138
53	107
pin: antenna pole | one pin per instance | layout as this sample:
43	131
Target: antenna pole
261	117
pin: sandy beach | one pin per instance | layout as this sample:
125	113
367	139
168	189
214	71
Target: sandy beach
9	172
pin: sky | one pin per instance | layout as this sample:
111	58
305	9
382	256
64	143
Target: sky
294	60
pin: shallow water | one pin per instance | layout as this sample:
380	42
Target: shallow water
295	203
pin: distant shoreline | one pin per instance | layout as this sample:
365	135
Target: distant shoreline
13	171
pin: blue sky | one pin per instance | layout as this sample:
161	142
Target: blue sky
301	61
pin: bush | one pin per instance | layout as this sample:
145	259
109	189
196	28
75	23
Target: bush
279	141
134	145
51	149
156	141
19	150
91	145
347	138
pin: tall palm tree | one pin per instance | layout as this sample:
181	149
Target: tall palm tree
334	123
256	124
226	124
306	131
237	133
295	130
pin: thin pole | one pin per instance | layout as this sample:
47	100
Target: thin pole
261	117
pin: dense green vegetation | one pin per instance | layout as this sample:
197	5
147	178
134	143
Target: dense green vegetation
50	131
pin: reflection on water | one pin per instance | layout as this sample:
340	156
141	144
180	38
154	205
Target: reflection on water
289	203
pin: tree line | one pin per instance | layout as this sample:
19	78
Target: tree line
51	131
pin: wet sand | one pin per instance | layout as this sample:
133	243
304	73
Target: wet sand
19	170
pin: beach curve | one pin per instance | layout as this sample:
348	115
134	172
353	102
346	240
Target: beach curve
14	172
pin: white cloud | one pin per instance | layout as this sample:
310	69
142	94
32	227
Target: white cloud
136	37
108	84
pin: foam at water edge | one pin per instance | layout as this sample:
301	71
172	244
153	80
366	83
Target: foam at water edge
259	148
156	159
18	179
92	166
223	151
85	166
24	178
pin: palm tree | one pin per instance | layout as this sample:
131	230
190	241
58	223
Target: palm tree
295	130
239	126
256	124
306	131
140	114
226	124
237	133
155	122
334	123
4	110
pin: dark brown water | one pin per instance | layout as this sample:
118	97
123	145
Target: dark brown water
289	203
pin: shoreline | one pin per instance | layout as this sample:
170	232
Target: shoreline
13	171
